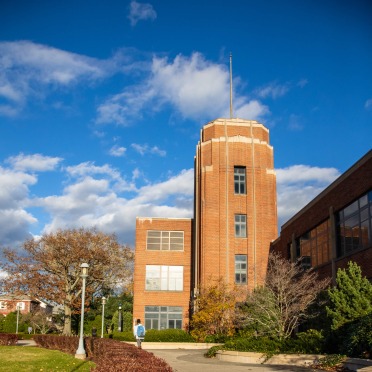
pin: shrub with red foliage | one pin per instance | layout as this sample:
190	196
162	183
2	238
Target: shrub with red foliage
114	356
8	339
109	355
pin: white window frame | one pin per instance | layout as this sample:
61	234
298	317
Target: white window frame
164	278
240	225
241	268
3	305
240	180
161	240
20	306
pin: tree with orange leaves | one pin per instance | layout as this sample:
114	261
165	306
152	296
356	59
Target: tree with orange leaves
49	267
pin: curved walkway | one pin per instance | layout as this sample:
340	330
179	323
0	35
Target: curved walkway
194	361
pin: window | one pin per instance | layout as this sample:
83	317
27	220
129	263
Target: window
163	317
3	305
239	180
164	278
354	225
241	269
314	247
20	305
240	226
164	240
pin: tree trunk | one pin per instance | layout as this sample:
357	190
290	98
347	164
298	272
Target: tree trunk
67	322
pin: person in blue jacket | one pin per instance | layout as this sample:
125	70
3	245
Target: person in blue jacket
139	332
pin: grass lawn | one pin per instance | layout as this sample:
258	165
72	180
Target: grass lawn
29	358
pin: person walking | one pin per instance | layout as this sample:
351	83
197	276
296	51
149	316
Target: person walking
139	332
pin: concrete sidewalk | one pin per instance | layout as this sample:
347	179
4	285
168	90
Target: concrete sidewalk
182	360
26	343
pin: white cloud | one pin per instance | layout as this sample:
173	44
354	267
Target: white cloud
35	162
298	185
368	104
273	90
194	87
117	151
146	149
14	194
140	12
91	202
27	69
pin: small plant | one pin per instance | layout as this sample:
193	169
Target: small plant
329	361
211	353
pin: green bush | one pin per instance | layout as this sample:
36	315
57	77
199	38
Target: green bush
127	321
309	342
123	336
260	344
329	361
356	338
10	323
211	353
220	338
168	335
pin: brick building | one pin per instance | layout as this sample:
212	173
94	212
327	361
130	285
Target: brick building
335	227
229	237
23	304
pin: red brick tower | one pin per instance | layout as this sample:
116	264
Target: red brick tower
235	215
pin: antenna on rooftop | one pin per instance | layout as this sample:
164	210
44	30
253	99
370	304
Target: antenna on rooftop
231	96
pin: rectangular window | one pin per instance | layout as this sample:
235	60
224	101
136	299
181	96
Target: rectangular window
241	269
163	317
3	305
239	180
354	225
164	240
20	306
164	278
240	226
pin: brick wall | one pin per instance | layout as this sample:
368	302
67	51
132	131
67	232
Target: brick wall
354	183
217	247
143	257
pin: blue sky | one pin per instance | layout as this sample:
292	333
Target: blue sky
101	103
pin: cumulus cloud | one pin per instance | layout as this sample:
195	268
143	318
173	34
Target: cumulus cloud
297	185
34	162
146	149
141	12
28	69
14	194
194	87
117	151
93	202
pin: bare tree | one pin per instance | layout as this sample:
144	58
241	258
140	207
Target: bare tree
39	320
279	306
50	267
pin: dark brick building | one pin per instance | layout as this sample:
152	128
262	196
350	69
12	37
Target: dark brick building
335	227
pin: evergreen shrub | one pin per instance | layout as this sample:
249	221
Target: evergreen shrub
168	335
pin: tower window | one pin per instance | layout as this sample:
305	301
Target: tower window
241	269
239	180
240	226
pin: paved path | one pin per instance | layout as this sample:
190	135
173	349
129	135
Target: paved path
182	360
194	361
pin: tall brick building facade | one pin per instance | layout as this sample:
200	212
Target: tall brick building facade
229	237
335	227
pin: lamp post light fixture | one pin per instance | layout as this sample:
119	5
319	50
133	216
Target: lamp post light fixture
103	314
119	325
18	307
80	352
